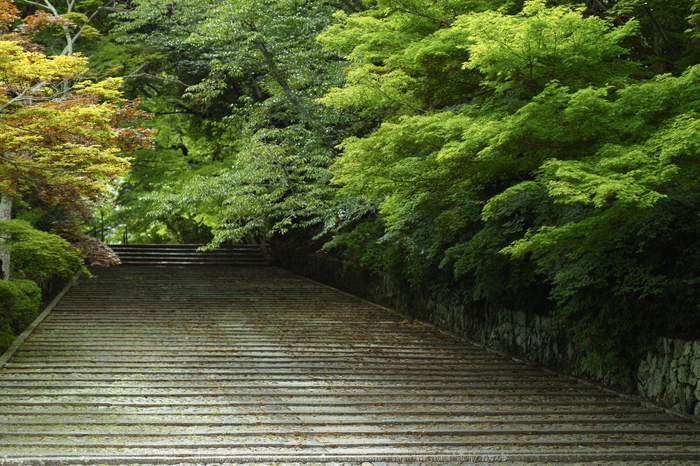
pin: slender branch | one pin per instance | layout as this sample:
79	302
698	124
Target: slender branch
42	5
112	9
19	128
189	112
403	103
145	64
605	8
279	78
660	29
137	74
36	87
14	100
420	14
601	5
157	78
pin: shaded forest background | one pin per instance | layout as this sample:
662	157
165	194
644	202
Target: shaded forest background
536	155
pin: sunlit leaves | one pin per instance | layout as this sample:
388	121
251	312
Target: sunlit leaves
25	68
39	254
524	147
542	44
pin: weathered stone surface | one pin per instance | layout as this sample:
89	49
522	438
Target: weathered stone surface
667	345
687	348
220	365
682	374
643	373
678	346
686	397
664	363
670	375
655	385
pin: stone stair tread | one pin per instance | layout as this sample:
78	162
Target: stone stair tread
188	255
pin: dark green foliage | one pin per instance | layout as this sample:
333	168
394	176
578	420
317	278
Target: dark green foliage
20	303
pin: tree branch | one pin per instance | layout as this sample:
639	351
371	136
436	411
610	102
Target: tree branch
157	78
661	31
279	78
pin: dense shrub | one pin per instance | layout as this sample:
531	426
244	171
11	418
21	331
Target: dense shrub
20	302
37	254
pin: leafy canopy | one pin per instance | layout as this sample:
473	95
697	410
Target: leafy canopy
523	149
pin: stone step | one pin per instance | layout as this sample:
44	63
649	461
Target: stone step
48	417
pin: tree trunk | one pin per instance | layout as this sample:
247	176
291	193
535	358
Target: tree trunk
5	214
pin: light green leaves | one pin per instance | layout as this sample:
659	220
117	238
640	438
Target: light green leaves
541	45
541	117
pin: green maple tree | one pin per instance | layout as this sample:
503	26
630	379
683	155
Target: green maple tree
62	137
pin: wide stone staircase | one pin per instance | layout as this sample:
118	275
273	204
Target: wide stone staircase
228	365
187	254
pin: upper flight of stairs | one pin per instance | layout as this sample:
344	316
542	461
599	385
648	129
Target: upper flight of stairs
187	254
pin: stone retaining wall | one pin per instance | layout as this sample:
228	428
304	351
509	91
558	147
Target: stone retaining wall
669	376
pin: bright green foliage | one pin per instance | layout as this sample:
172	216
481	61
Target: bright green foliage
403	57
160	69
544	168
476	142
653	152
177	155
37	254
540	45
20	302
